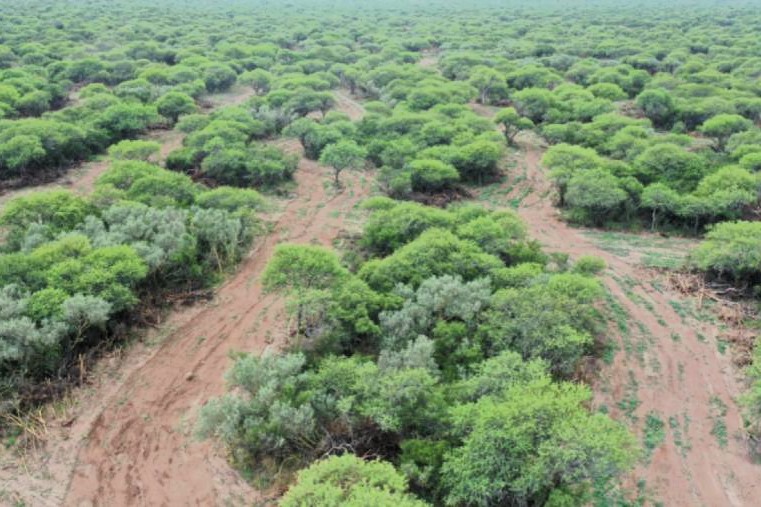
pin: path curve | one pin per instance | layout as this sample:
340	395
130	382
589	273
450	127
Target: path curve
140	450
678	374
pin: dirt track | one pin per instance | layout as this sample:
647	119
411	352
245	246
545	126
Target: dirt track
668	365
140	451
129	440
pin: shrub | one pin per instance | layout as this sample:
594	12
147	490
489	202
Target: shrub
731	249
133	150
348	480
432	175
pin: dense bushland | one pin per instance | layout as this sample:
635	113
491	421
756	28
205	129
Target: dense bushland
73	270
447	351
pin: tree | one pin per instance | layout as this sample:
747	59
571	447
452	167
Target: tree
58	209
597	192
657	105
432	175
670	164
731	248
258	79
389	228
126	120
174	104
751	162
435	252
486	80
134	150
511	123
564	161
722	126
552	319
300	269
218	77
21	153
659	198
533	103
34	103
532	444
344	154
610	91
727	191
349	481
478	161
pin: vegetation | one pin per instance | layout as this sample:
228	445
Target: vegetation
447	354
72	269
436	359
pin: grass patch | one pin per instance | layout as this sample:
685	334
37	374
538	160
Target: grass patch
719	426
679	309
630	402
654	433
662	260
679	434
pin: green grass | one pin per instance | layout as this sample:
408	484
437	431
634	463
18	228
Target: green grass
679	309
656	252
630	402
654	433
679	433
660	260
719	425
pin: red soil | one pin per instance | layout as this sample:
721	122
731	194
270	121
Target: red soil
679	374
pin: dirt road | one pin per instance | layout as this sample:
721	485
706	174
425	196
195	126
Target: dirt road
140	450
129	439
670	380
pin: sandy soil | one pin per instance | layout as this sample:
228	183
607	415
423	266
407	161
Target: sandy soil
669	365
140	450
126	439
130	443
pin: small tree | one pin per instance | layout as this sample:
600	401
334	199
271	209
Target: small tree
258	79
533	445
349	480
722	126
342	155
486	80
597	192
301	269
659	198
432	175
174	104
133	150
512	123
218	77
658	106
533	103
731	248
